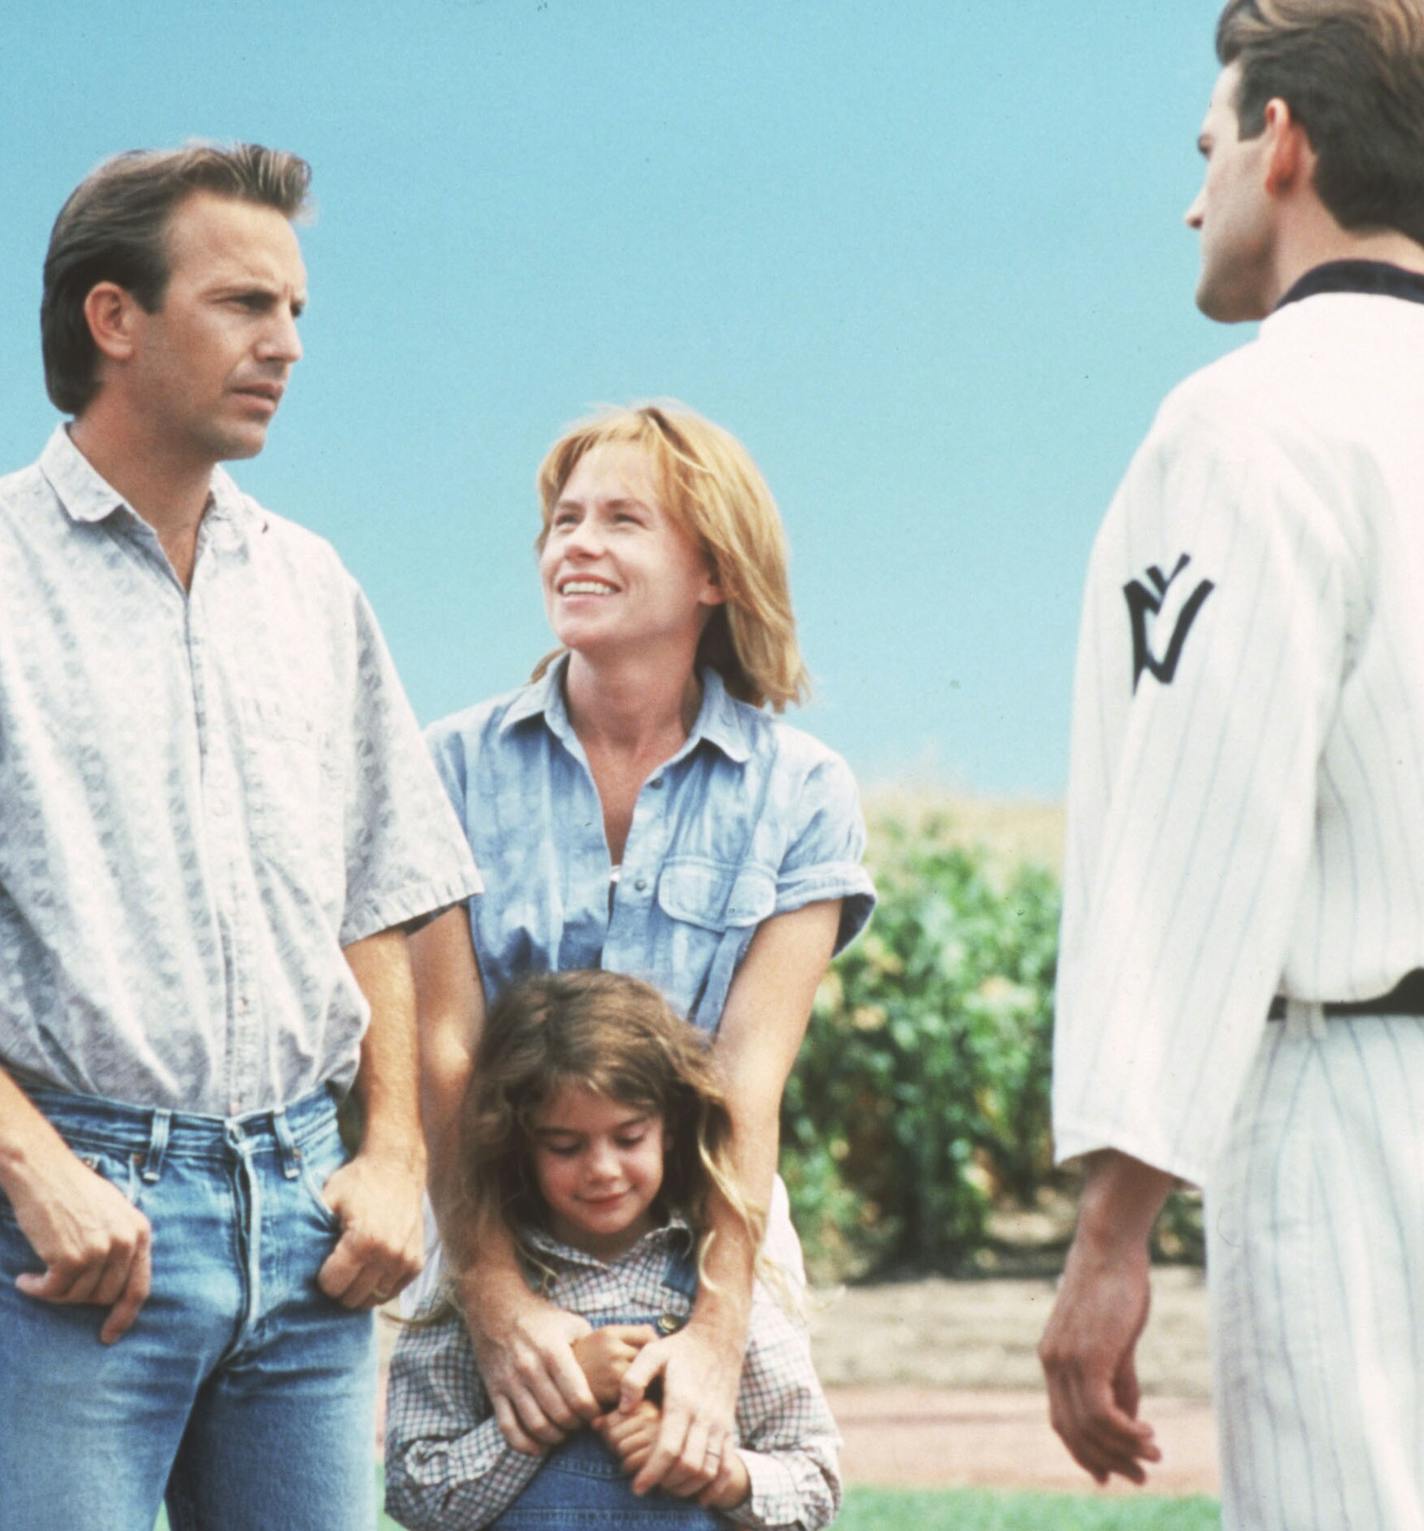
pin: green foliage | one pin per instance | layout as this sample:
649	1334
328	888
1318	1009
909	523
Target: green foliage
921	1094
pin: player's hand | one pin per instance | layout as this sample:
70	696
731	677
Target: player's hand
95	1244
377	1200
1088	1352
607	1353
700	1368
631	1436
524	1346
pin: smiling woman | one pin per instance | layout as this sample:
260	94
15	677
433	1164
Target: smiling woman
637	808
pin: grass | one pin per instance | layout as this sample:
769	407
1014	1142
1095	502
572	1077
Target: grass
868	1509
873	1509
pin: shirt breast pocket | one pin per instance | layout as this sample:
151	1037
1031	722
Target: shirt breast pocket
712	910
293	796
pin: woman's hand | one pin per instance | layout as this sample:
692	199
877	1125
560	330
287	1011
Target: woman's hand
701	1367
607	1353
524	1347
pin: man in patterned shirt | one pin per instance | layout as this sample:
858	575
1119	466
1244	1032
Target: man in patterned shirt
219	819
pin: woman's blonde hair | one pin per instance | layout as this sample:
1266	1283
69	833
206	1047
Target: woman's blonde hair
618	1037
711	489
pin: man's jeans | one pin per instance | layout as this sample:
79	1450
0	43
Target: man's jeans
241	1391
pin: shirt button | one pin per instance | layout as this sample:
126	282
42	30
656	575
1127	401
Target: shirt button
669	1323
641	885
656	782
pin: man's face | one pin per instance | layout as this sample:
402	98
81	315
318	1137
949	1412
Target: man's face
1233	213
210	365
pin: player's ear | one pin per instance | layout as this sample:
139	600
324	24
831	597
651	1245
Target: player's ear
1290	159
112	316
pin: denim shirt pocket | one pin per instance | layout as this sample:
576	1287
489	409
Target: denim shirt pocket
714	909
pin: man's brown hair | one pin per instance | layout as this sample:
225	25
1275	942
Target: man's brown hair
1352	73
114	228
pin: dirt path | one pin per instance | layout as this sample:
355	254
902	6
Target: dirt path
935	1383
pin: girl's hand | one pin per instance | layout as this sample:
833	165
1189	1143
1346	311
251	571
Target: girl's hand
524	1346
606	1354
701	1368
631	1436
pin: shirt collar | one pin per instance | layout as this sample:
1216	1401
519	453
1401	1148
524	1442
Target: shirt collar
719	720
675	1232
1375	277
87	496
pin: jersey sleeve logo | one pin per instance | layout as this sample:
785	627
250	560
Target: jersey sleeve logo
1144	604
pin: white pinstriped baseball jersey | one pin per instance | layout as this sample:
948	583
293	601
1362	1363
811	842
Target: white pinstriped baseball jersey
1245	807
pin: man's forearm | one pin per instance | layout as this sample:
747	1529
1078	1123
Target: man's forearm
387	1079
1121	1200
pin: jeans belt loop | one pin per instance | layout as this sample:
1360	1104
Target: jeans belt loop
286	1143
157	1144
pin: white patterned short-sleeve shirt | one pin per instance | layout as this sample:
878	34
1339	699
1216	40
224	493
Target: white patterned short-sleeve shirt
207	794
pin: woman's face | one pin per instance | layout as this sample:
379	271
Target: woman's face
618	574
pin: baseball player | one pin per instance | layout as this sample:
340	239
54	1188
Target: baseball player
1241	996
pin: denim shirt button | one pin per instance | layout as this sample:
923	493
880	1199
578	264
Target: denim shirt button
669	1323
641	885
656	783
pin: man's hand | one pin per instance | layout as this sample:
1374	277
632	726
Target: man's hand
632	1436
607	1353
701	1369
377	1199
1089	1345
524	1346
94	1243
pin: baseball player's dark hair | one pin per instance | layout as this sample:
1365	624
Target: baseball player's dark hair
113	228
1352	73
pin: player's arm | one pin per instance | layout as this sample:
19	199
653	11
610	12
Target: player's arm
762	1026
523	1343
376	1196
1209	664
94	1244
1089	1346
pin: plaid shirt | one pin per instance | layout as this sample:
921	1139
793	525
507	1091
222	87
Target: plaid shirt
449	1467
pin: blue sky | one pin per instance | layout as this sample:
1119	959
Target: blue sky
926	258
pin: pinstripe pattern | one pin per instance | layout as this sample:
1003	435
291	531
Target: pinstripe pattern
1316	1249
1254	825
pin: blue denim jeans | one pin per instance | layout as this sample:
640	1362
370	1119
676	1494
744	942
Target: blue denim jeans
582	1483
242	1395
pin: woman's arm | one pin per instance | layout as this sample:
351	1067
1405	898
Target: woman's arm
523	1343
788	1466
761	1031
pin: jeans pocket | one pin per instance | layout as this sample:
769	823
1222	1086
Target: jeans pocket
315	1166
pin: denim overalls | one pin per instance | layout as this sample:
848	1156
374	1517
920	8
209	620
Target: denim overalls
582	1482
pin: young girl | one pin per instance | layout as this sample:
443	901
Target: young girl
595	1130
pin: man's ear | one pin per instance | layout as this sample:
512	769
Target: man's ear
1291	161
111	313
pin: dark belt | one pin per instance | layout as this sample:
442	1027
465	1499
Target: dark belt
1405	998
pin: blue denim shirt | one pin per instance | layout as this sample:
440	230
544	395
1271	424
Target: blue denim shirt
750	818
